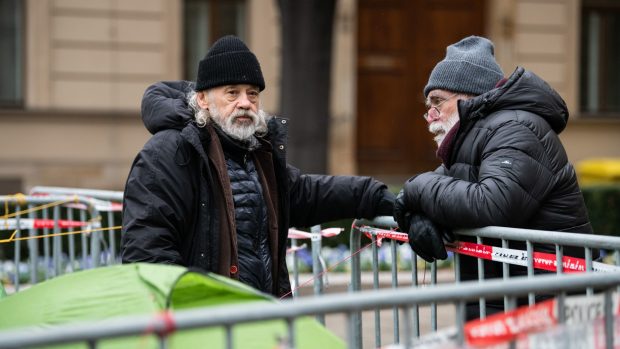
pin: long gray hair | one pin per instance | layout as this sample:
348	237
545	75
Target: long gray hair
201	115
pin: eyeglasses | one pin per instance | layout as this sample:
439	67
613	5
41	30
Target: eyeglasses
434	103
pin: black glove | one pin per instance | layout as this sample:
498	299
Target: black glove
426	238
385	207
401	213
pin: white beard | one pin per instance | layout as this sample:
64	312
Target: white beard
240	130
441	128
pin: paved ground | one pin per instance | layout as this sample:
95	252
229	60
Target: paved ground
338	283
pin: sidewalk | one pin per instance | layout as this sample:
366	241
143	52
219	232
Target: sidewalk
339	282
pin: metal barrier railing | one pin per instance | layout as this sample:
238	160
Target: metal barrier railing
530	237
52	223
83	205
229	317
108	195
108	203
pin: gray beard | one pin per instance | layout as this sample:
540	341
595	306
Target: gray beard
441	128
235	130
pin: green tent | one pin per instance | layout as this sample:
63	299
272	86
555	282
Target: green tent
133	289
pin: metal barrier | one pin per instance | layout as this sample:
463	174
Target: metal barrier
52	223
108	203
85	205
108	195
558	239
404	299
61	205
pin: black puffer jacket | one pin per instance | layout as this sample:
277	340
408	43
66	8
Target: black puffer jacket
251	218
507	167
178	203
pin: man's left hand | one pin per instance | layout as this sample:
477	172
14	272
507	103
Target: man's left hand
385	207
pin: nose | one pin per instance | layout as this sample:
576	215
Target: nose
432	115
244	102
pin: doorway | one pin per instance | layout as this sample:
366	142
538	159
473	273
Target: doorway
398	44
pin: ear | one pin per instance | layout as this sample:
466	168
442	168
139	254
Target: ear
201	98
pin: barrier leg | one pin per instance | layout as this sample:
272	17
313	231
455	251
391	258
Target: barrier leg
33	249
375	285
355	318
393	246
295	268
317	269
56	243
17	257
46	248
71	238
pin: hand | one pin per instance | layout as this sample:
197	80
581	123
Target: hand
402	216
447	235
386	203
426	238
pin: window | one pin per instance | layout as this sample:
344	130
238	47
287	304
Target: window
11	185
600	54
11	31
205	22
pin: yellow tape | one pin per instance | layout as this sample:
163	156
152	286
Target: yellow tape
21	199
37	208
12	238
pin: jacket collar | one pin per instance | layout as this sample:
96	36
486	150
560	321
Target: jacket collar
522	90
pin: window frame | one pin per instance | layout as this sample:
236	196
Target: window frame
19	101
587	6
214	31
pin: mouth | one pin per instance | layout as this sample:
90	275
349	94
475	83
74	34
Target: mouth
244	119
436	129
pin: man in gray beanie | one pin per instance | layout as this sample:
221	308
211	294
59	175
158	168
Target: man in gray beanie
502	161
212	190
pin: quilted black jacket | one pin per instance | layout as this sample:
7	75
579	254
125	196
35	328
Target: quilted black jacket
170	212
507	167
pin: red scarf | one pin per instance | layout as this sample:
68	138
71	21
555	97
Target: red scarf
445	149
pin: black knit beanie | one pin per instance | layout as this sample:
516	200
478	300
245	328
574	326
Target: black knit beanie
469	67
229	62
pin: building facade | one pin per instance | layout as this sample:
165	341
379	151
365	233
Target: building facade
73	73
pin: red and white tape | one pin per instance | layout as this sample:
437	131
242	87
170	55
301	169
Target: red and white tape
303	235
509	326
300	234
101	206
543	261
34	223
533	327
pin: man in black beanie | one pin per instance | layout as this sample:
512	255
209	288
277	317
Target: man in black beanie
211	189
502	161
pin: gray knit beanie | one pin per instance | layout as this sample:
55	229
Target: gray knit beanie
469	67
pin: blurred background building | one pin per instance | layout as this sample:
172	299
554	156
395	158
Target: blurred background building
72	74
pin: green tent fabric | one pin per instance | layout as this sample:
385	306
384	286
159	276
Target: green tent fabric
133	289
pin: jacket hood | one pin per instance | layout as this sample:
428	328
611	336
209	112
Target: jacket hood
525	91
164	106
